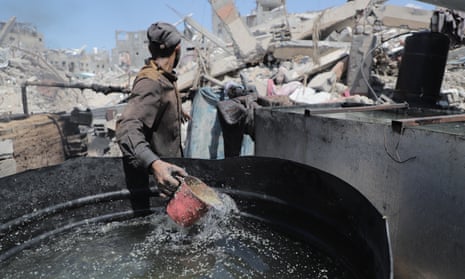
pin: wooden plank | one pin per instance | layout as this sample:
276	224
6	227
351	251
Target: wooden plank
399	124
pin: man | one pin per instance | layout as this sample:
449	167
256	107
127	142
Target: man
149	128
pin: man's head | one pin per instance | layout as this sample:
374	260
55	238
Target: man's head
163	39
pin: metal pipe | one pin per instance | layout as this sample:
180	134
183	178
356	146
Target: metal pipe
95	87
309	112
39	214
35	240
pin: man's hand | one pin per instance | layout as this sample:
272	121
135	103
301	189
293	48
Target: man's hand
164	174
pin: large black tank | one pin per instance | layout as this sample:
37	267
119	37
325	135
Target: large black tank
422	69
309	204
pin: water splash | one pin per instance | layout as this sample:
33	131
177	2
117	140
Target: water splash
221	245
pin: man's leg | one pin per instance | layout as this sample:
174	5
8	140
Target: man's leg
137	182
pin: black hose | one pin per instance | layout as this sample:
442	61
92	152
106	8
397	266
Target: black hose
103	197
33	241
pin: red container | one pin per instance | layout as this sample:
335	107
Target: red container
191	201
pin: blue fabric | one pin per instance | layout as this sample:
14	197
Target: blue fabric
204	138
204	135
248	146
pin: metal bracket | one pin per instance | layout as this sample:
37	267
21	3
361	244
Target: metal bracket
398	125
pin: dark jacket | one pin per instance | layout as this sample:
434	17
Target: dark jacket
150	125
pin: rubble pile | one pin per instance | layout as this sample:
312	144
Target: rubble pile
280	54
345	54
350	53
18	66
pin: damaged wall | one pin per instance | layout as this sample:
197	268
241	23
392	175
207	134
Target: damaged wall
131	49
79	63
22	35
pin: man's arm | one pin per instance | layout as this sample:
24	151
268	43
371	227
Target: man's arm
133	131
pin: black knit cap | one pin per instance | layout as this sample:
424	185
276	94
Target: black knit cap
163	34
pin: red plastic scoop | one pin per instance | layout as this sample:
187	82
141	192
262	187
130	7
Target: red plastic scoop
191	201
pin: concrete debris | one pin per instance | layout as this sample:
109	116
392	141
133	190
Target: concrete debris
6	149
456	57
323	82
6	28
452	98
244	42
4	58
19	65
287	49
369	33
361	60
403	17
451	23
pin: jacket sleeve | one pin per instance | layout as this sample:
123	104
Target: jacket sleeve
134	127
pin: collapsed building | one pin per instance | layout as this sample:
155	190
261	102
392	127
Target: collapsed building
339	89
130	50
77	63
20	35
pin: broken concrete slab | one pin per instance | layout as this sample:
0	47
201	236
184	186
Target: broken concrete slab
289	49
4	58
214	39
405	17
7	167
217	68
330	19
328	60
7	27
6	149
244	41
323	82
360	61
456	56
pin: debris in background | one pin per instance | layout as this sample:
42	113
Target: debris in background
349	53
451	23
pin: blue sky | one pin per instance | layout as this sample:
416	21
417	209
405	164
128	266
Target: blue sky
72	24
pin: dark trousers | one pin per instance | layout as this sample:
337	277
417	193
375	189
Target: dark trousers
137	182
